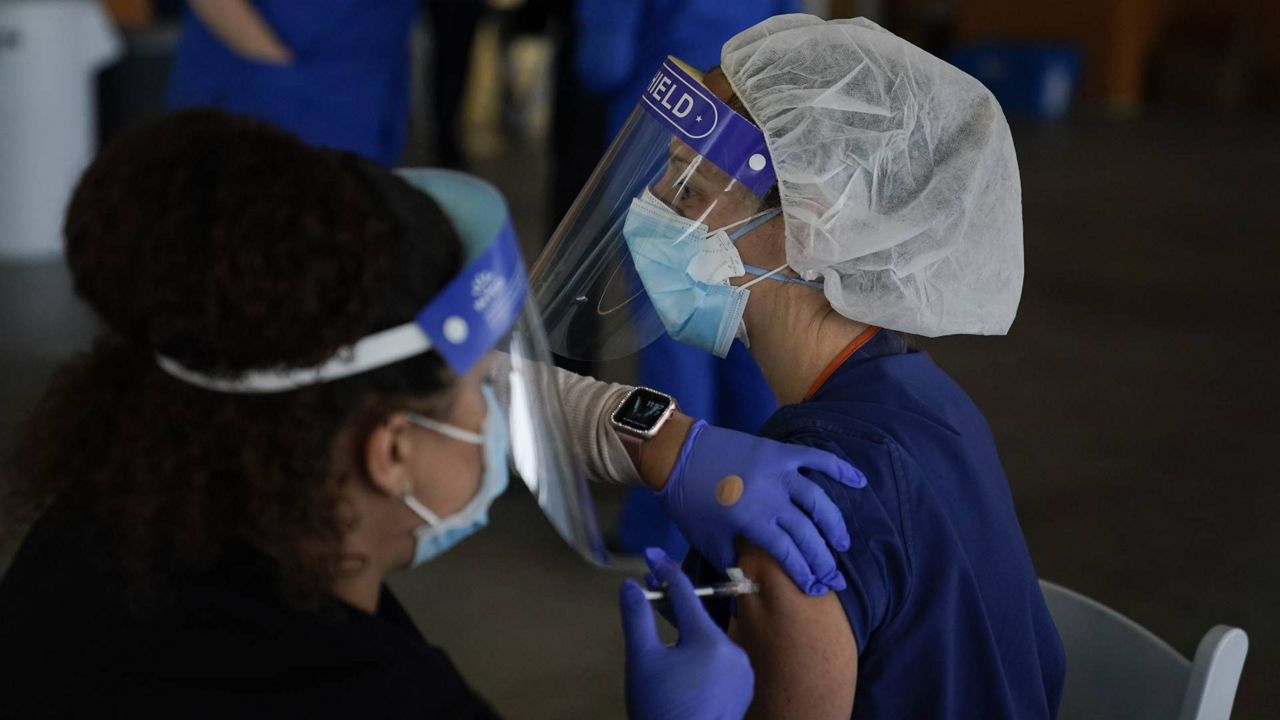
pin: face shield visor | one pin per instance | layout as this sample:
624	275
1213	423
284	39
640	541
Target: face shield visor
484	315
648	246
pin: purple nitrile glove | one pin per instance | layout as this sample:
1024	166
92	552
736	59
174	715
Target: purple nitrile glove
704	676
774	507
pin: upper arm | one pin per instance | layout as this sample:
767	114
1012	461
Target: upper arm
802	648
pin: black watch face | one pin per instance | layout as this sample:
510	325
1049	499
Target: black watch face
641	410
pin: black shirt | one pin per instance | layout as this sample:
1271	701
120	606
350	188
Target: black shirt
223	643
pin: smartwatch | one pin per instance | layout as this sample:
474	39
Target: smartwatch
639	417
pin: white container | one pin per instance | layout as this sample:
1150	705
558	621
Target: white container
50	53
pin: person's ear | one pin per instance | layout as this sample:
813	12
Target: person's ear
386	453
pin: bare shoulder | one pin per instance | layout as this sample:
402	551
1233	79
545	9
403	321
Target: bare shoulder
802	648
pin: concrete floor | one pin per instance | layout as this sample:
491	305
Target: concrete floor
1134	404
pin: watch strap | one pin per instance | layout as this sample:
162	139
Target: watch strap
632	444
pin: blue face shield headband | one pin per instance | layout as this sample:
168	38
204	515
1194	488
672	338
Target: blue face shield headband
483	311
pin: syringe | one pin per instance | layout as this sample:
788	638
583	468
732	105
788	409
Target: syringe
738	584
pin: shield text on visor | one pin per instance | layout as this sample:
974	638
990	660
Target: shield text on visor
648	246
484	312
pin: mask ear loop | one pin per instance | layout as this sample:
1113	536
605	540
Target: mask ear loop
752	269
453	432
766	276
755	221
422	511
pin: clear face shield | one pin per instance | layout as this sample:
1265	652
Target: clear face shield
485	314
648	247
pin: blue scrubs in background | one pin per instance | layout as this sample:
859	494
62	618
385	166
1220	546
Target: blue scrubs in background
942	598
348	87
621	44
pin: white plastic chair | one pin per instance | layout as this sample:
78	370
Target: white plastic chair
1118	669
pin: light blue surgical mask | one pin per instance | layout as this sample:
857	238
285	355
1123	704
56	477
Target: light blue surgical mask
686	268
437	535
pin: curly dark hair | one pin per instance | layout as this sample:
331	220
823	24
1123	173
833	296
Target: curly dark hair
228	245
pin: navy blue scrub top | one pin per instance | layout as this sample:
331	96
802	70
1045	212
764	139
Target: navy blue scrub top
348	87
942	597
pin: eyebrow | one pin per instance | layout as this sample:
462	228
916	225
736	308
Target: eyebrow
673	157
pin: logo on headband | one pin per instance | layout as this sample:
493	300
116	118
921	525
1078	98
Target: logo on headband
485	288
709	126
497	298
683	105
476	309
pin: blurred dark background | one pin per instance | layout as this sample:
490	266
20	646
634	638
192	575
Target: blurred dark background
1134	401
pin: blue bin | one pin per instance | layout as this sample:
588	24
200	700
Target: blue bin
1033	80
